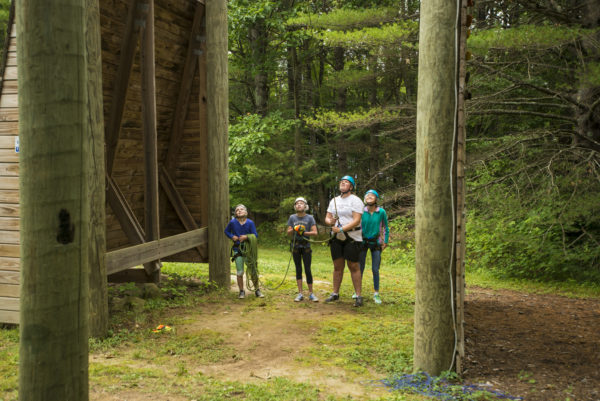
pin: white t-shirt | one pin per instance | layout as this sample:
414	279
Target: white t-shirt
345	207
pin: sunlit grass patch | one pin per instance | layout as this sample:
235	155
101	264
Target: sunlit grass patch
9	363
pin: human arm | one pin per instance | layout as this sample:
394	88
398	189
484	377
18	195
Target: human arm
356	218
229	232
329	219
386	230
313	231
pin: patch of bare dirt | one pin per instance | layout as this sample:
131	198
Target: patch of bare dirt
270	339
539	347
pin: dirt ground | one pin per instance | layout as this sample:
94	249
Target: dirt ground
539	347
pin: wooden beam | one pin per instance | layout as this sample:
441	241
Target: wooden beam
194	51
122	259
117	106
178	204
129	223
151	214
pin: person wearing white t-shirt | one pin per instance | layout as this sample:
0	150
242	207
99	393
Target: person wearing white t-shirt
344	215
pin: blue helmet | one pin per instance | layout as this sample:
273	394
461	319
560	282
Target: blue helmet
372	191
349	179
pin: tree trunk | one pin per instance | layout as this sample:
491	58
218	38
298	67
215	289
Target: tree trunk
433	333
340	106
98	318
55	169
374	129
217	119
258	46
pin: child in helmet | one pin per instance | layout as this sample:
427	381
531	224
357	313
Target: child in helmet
238	230
375	233
300	226
344	215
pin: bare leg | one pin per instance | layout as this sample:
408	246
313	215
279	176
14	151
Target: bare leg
240	281
354	268
299	282
310	288
338	274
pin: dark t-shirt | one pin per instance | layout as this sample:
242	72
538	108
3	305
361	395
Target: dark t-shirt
308	221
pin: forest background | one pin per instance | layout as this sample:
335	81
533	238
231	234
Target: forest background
321	89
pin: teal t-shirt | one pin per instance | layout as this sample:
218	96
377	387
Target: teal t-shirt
375	225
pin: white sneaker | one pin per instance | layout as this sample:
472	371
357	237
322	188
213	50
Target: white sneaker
313	297
299	298
242	295
354	296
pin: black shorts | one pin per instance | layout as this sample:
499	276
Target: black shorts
348	249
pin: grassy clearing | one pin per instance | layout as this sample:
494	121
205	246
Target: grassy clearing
356	345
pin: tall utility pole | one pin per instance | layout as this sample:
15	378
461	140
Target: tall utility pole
55	167
434	335
98	318
217	102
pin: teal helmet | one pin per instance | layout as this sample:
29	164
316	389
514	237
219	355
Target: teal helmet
372	191
349	179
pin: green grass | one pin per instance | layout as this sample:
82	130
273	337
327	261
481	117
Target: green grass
363	344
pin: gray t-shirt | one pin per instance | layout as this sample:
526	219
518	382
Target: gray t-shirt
308	221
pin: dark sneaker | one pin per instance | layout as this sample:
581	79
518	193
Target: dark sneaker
332	297
358	301
242	295
258	294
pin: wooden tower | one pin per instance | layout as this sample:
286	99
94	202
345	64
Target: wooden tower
178	228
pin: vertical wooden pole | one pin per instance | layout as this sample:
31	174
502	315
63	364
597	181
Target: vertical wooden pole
151	222
434	335
98	319
461	160
218	150
55	168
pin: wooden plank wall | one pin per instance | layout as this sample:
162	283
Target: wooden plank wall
173	22
9	189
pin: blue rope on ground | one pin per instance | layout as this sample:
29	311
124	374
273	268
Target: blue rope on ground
424	384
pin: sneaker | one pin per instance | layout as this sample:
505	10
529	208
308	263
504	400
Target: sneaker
313	297
358	301
299	298
258	294
242	295
377	299
354	296
332	297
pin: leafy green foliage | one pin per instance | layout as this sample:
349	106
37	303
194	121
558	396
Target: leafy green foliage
344	19
527	37
401	34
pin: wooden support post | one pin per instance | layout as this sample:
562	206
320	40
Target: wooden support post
204	168
434	204
217	102
98	285
117	106
55	171
151	215
461	160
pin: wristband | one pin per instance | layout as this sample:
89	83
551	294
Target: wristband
341	229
